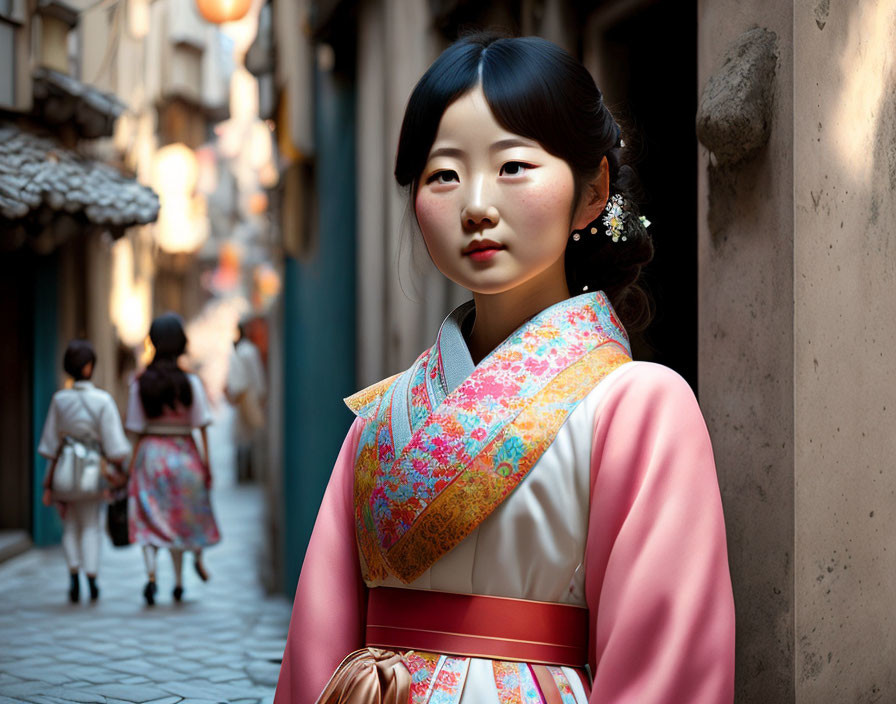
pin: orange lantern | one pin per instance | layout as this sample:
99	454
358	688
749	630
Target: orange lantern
258	203
219	11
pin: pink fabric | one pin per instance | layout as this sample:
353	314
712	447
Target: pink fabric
329	612
657	581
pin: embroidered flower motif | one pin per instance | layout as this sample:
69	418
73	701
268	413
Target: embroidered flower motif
450	446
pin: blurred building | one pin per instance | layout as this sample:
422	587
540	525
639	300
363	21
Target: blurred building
63	203
96	100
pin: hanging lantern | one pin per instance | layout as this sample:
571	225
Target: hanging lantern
219	11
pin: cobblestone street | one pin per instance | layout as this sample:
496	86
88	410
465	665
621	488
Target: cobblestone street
223	643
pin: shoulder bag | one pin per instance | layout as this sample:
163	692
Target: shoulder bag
78	473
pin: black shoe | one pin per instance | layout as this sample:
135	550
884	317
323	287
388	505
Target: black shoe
94	589
200	570
74	589
178	593
149	593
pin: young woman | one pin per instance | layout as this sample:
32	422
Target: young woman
526	514
169	504
87	417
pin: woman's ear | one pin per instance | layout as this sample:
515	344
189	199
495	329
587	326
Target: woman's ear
594	198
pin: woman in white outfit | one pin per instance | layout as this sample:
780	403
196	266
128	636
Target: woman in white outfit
88	415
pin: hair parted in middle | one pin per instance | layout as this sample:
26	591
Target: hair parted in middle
537	90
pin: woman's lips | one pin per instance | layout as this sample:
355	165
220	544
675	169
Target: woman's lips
482	250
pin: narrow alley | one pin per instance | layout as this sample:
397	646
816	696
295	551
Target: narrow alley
223	643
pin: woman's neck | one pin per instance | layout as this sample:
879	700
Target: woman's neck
499	314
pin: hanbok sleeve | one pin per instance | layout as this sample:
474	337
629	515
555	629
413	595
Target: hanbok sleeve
115	445
49	438
657	581
331	599
200	414
136	418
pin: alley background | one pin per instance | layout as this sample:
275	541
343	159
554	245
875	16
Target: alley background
223	643
159	155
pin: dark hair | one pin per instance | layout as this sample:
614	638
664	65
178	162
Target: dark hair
537	90
163	383
78	353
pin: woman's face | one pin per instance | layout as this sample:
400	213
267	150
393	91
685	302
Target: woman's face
495	208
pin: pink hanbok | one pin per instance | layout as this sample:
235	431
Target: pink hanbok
169	504
542	527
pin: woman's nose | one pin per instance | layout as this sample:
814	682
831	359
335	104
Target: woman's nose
479	212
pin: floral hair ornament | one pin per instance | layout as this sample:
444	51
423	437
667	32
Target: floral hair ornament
618	211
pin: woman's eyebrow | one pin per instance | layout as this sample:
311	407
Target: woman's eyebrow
447	151
511	142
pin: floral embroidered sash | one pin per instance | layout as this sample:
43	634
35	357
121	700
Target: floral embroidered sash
446	443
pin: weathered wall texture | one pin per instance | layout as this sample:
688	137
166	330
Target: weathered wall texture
844	341
746	354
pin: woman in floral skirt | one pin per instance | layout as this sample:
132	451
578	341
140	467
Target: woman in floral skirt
169	504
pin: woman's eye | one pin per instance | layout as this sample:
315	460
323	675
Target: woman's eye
515	168
443	177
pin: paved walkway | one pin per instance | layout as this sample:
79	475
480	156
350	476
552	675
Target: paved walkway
223	643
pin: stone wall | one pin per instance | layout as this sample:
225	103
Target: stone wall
796	337
746	353
844	337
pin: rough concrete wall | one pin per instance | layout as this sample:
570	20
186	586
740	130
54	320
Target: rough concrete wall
746	355
845	334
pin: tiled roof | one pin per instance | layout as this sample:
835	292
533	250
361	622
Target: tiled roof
37	172
63	99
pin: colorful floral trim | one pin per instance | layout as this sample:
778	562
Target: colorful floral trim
470	448
422	667
449	682
563	685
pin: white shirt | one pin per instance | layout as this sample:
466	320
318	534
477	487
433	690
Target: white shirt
246	371
87	413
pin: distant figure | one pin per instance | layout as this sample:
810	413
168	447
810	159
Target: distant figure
83	422
246	389
169	504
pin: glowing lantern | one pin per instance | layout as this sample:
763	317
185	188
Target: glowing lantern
258	203
220	11
182	225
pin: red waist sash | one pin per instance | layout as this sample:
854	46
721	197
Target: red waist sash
477	626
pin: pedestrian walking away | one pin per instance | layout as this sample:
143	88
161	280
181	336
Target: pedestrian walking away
168	495
82	440
246	389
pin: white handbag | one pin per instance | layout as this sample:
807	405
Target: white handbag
78	472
